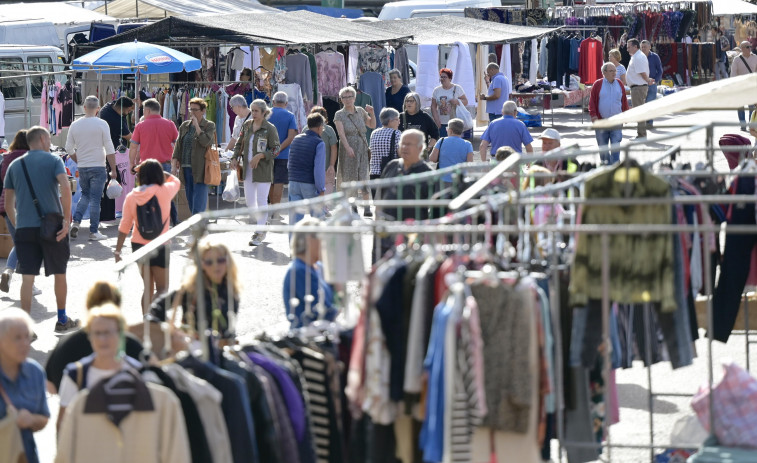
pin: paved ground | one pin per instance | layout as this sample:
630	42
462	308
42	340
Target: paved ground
262	271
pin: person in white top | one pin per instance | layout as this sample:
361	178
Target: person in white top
745	63
89	145
637	77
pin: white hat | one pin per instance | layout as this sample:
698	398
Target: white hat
552	134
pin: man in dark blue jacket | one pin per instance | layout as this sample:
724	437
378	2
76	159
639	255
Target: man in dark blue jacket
307	165
655	72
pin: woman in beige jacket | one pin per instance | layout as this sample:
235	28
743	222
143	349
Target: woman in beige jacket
195	136
255	151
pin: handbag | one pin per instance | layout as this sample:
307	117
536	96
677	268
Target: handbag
10	434
212	164
392	152
50	223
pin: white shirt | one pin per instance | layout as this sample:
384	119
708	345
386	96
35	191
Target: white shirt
89	138
638	64
69	389
238	121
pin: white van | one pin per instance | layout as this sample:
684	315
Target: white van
423	8
23	94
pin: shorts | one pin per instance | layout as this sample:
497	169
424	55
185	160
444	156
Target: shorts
280	171
161	259
32	251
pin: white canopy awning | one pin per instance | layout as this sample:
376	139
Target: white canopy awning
726	7
56	13
732	93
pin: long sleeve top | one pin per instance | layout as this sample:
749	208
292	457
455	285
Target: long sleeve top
655	67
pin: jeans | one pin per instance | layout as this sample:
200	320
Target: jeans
742	116
606	138
297	192
721	72
493	117
651	96
92	181
174	210
12	259
197	193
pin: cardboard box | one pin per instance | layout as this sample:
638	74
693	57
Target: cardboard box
6	243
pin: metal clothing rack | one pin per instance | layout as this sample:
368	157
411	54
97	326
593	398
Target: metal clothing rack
464	207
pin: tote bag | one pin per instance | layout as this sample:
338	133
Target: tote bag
212	164
10	435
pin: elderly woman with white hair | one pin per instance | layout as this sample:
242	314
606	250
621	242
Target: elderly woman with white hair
255	154
22	382
239	107
304	284
351	122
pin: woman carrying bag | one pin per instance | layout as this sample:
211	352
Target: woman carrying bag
195	137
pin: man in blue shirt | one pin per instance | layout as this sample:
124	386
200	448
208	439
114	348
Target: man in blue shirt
655	72
306	271
46	175
498	93
307	165
507	131
286	126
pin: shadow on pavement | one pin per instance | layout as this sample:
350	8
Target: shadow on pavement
636	397
266	254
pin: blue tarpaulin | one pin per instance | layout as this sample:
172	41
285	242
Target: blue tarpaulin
350	13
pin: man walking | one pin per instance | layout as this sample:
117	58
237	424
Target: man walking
89	145
744	64
721	56
608	98
40	174
286	126
655	72
153	138
307	165
638	79
498	92
507	131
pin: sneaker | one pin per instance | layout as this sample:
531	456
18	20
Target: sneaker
5	281
74	230
70	324
36	291
97	236
254	241
367	212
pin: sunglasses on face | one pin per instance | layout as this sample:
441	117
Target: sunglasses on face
219	261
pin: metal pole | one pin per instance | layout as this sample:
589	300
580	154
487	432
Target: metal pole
648	358
605	243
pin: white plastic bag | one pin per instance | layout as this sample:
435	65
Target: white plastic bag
231	191
461	112
114	189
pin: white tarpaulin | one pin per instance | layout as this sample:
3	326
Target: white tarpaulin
726	7
732	93
56	13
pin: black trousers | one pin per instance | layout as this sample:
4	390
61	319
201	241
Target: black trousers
734	269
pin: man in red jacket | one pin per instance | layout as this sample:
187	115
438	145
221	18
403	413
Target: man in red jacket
608	98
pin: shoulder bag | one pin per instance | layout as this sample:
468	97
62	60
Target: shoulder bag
392	152
10	434
212	163
462	113
50	223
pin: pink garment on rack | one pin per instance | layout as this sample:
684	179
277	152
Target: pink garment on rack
43	114
127	178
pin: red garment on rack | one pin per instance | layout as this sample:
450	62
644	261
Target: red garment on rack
590	61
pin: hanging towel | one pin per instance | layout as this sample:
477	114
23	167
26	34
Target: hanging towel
482	59
506	65
543	58
352	64
460	63
428	72
534	60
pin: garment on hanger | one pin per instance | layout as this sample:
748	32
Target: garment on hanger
298	72
459	61
506	65
295	104
428	72
590	61
533	61
352	64
373	58
401	63
331	73
2	115
372	83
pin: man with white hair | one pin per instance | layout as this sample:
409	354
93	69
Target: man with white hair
507	131
89	145
239	107
412	144
286	126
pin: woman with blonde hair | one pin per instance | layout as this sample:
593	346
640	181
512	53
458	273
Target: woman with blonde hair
220	287
256	148
615	57
76	346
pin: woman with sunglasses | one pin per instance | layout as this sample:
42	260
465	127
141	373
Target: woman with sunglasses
221	291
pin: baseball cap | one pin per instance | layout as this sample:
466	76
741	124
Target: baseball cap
552	134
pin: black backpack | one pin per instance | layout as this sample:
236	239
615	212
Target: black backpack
150	219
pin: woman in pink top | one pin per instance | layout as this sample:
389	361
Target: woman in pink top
153	182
